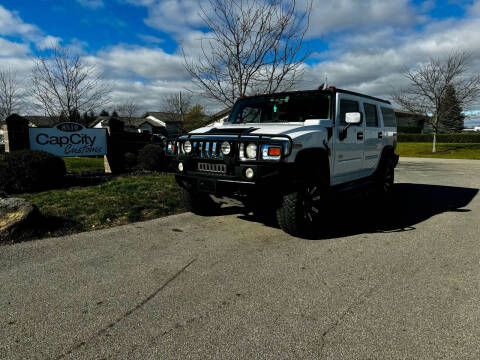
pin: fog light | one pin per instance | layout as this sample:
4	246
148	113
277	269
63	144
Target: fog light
180	167
249	173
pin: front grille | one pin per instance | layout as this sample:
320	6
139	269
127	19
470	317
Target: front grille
208	149
213	168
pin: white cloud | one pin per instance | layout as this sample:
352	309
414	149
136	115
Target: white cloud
92	4
332	16
151	39
12	49
12	24
133	62
48	42
175	16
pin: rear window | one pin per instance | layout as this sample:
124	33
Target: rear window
389	119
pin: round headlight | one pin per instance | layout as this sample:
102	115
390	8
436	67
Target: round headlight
251	151
180	166
226	148
187	147
249	173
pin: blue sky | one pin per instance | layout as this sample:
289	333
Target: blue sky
359	44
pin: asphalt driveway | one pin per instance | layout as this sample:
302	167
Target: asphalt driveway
383	282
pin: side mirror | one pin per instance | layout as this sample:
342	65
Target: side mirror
353	118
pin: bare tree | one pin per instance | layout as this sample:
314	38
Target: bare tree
64	85
176	105
254	46
127	109
429	84
11	93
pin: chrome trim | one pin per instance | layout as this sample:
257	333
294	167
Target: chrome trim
213	168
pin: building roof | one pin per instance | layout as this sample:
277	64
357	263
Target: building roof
129	122
42	121
163	116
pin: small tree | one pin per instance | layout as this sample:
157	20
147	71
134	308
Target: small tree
11	93
127	109
114	114
177	105
254	46
452	118
194	119
104	113
430	83
63	84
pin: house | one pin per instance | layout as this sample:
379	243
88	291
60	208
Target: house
407	119
172	122
166	124
41	121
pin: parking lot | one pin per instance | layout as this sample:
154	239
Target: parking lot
391	281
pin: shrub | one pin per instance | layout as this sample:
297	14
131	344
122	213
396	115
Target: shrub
30	170
130	160
151	157
441	138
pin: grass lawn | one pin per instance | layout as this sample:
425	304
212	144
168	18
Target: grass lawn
444	150
83	164
122	200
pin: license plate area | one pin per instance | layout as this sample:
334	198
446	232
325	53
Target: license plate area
213	168
207	185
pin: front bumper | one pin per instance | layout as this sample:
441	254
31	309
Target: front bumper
267	177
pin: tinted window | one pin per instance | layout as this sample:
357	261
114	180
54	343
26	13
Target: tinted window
371	116
347	106
389	119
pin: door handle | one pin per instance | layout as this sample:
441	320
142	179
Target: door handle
380	135
359	135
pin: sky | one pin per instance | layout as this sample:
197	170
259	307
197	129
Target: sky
360	45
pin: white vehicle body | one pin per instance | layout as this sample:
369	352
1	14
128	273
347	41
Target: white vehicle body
340	139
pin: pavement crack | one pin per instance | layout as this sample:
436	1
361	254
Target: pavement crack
128	313
350	309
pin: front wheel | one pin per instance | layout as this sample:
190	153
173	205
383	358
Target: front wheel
301	210
199	203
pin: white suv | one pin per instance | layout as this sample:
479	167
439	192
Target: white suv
288	152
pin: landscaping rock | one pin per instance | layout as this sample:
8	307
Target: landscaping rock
16	216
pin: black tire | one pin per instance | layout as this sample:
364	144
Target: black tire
199	203
301	210
386	178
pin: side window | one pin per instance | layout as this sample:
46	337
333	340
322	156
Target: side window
389	119
371	116
347	106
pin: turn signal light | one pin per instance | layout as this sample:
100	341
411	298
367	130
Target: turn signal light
274	151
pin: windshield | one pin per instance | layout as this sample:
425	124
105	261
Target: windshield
277	108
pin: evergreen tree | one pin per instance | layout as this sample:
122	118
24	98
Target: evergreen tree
114	114
451	119
194	118
104	113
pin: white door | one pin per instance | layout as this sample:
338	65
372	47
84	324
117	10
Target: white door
348	148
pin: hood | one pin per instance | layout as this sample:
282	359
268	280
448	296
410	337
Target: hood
292	129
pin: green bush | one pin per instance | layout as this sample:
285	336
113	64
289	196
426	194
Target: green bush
30	170
130	160
151	157
441	138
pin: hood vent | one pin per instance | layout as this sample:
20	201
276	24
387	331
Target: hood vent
231	131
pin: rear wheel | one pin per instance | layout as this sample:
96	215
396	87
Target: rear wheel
199	203
386	177
301	210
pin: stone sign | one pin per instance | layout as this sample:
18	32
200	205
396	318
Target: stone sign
69	139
